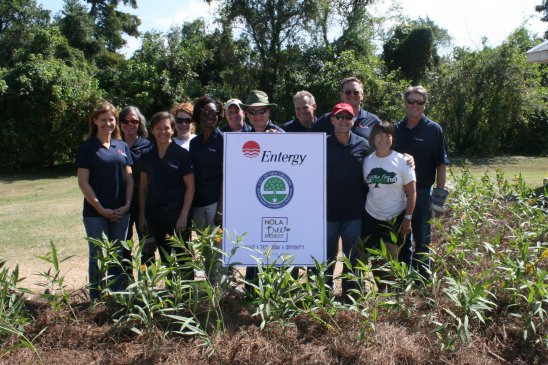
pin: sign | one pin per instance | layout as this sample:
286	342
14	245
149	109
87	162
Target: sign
274	194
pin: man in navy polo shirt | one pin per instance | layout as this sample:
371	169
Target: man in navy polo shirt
423	139
305	107
258	109
235	117
351	93
346	192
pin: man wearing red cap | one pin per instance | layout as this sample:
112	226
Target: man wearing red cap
345	186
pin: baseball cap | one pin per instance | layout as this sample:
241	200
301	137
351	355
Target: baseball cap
236	102
343	107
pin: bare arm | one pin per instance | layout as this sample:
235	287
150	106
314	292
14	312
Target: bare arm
89	194
411	191
188	180
441	176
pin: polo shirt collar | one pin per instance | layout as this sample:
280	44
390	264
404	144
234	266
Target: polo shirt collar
420	124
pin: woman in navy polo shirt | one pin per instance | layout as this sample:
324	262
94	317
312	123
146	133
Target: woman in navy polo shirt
105	178
135	134
206	150
167	187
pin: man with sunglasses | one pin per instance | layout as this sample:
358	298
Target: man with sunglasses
235	117
258	109
423	139
351	93
345	190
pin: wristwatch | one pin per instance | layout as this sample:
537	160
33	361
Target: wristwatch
408	217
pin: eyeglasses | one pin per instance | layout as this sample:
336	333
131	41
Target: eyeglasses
350	92
344	116
257	111
413	102
132	121
183	120
208	113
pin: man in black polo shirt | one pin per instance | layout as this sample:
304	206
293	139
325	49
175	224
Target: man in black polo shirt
423	139
305	106
351	93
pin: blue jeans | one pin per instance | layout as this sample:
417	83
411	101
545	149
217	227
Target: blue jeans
350	232
114	231
421	234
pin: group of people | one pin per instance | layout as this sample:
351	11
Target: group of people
379	175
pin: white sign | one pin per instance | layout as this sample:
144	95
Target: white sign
274	193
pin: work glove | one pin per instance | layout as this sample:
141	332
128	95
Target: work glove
438	200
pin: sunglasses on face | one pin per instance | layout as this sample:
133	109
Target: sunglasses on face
183	120
413	102
350	92
208	113
132	121
344	116
257	112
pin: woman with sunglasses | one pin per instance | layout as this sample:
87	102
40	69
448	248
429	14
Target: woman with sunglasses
105	178
135	134
184	125
206	151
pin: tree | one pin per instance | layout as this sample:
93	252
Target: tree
78	26
45	105
276	26
412	49
111	24
274	184
543	8
491	101
18	19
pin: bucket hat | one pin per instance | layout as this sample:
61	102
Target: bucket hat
258	98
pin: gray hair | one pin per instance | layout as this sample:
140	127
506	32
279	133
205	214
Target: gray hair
305	94
416	89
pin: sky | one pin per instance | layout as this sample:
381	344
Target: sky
467	21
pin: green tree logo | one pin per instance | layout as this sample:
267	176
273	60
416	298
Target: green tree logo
379	175
274	189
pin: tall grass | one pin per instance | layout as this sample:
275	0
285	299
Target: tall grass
490	267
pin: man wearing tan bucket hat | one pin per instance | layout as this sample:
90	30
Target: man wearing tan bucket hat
258	109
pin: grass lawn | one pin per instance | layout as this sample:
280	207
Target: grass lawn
37	208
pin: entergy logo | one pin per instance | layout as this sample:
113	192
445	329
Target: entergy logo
251	149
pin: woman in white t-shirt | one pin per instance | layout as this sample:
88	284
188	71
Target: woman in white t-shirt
392	192
184	125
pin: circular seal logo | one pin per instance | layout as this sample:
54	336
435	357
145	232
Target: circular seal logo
251	149
274	189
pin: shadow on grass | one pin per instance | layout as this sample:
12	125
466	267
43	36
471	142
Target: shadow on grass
53	172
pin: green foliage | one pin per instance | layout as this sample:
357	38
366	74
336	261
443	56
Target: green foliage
18	20
491	101
44	114
13	313
413	49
